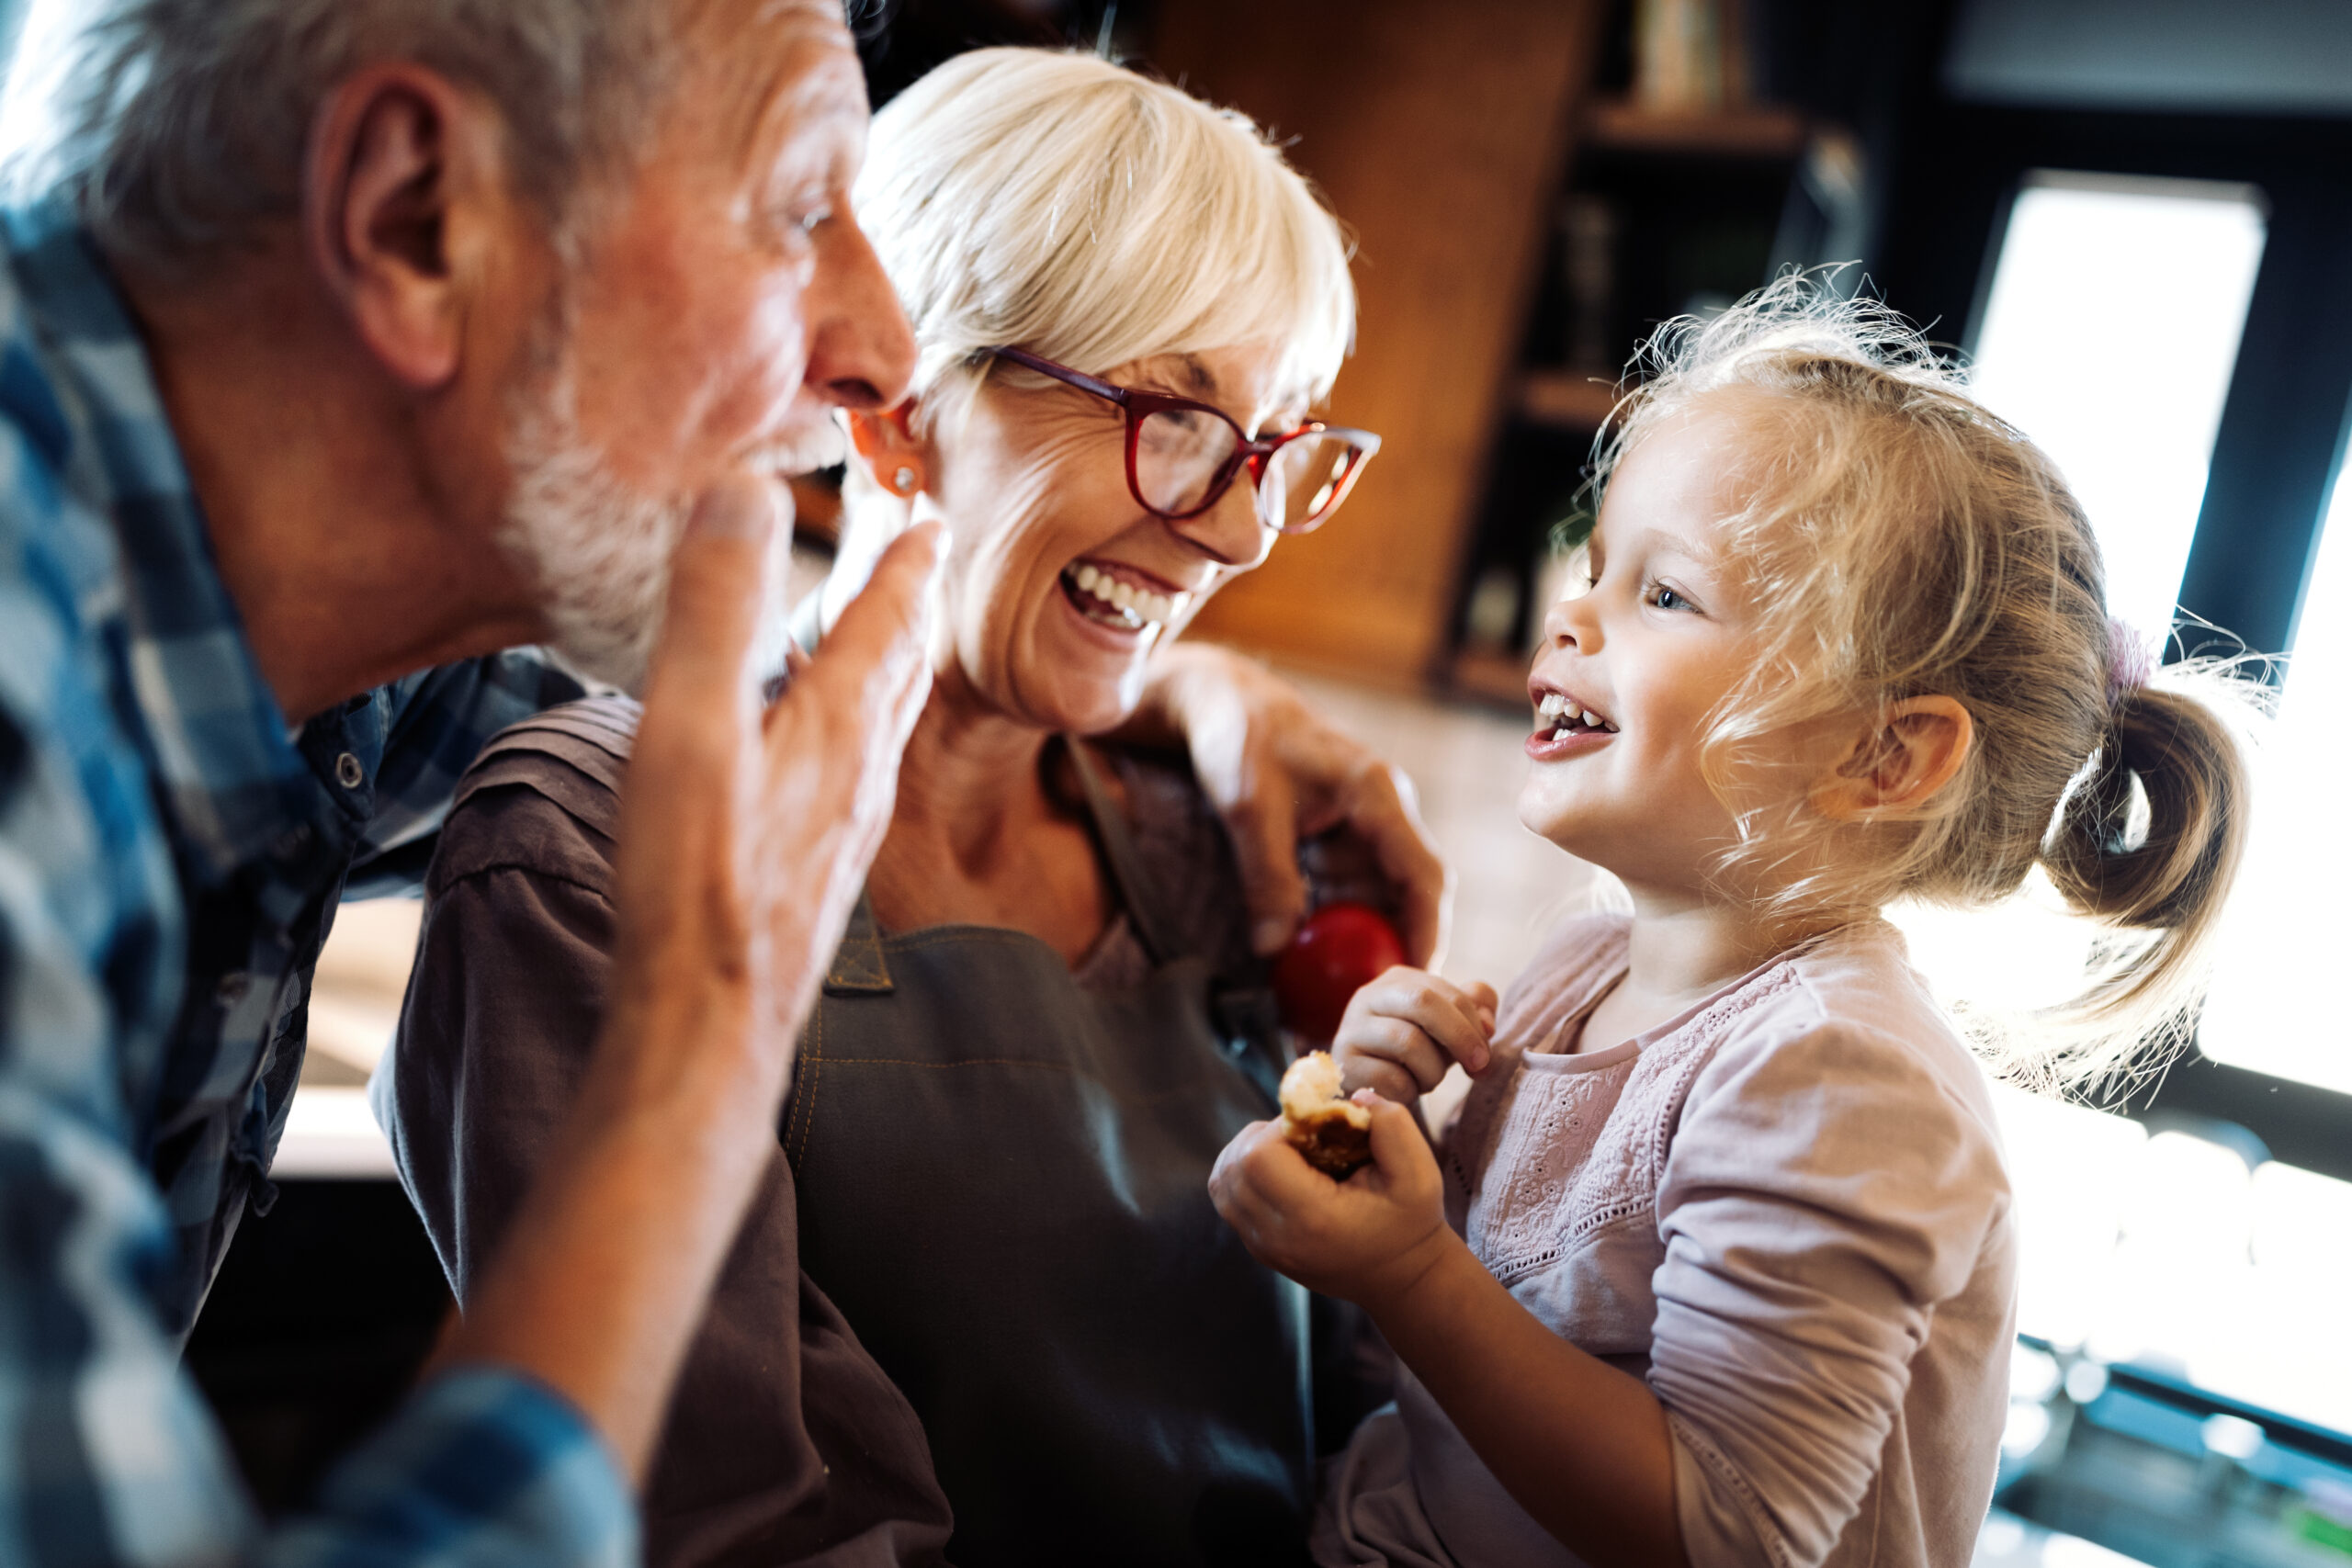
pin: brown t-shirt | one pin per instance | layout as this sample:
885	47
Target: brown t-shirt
802	1450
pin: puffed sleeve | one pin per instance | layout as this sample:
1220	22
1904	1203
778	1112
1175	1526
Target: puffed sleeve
1827	1189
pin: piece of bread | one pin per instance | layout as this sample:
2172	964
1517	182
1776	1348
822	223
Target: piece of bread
1332	1134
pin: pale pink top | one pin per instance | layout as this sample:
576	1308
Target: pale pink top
1786	1209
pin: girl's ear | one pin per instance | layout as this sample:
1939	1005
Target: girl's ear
1917	746
885	442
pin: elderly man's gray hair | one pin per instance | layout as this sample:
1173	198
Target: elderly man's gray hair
174	125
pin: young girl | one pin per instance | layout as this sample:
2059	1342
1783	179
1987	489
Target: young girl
1716	1265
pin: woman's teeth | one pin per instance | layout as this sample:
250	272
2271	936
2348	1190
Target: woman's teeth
1106	599
1555	712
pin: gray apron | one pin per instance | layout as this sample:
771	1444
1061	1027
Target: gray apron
1002	1185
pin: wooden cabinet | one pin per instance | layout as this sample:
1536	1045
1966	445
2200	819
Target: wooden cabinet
1439	133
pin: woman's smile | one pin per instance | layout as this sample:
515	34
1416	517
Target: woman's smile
1121	598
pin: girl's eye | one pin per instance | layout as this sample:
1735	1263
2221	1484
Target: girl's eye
1665	598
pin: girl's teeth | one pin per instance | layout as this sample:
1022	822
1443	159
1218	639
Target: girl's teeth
1088	577
1555	711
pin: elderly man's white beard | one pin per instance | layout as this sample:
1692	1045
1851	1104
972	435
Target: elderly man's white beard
596	552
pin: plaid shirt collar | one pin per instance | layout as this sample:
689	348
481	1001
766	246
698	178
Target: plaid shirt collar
226	768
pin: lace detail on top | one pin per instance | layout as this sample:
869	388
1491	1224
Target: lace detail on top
1566	1145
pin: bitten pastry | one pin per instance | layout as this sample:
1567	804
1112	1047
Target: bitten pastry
1334	1134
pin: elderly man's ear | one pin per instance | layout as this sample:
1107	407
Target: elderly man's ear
888	445
1914	748
407	205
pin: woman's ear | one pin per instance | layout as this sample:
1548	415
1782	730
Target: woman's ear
1914	748
885	442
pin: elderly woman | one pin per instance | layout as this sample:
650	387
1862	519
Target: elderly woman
1046	1018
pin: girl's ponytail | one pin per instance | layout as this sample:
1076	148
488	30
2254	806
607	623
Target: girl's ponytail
2149	842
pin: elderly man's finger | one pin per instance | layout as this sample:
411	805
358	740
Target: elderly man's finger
700	695
1384	811
876	648
718	588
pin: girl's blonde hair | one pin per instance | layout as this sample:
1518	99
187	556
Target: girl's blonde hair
1061	203
1905	542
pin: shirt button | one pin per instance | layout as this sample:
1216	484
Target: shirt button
348	772
231	989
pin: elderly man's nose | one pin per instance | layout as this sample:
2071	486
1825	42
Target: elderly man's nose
861	352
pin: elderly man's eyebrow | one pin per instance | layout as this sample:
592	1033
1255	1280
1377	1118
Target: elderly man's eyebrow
796	107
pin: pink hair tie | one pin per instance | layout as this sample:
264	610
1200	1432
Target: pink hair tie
2130	661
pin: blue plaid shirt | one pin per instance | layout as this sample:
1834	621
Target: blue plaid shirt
171	857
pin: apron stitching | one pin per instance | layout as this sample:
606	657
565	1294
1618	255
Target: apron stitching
803	1098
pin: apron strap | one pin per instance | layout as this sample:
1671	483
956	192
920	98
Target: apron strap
1244	1011
1137	890
858	968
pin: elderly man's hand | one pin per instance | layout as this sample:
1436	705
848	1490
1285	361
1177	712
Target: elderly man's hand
1280	774
745	835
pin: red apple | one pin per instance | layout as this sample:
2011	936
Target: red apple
1342	947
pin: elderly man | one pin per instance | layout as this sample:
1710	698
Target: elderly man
342	344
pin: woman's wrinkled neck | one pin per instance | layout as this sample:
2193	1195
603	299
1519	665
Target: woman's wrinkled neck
969	782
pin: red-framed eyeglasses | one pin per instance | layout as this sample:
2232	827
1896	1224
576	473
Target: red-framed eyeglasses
1183	455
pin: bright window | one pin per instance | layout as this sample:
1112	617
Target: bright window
2273	1006
2167	1251
2108	336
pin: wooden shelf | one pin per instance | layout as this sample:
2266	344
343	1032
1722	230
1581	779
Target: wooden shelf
1491	677
1564	400
1760	132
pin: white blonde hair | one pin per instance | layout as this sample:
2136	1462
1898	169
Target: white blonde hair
1062	204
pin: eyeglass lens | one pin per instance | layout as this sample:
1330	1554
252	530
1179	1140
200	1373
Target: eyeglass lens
1305	479
1180	453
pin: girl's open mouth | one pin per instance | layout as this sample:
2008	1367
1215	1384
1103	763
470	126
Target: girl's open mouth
1556	718
1562	729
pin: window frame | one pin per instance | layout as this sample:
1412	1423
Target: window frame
1953	175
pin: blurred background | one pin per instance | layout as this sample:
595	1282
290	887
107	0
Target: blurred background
2134	218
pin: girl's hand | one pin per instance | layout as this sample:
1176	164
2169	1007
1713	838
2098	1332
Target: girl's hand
1366	1239
1404	1030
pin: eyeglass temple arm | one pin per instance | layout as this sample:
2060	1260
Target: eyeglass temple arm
1078	378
